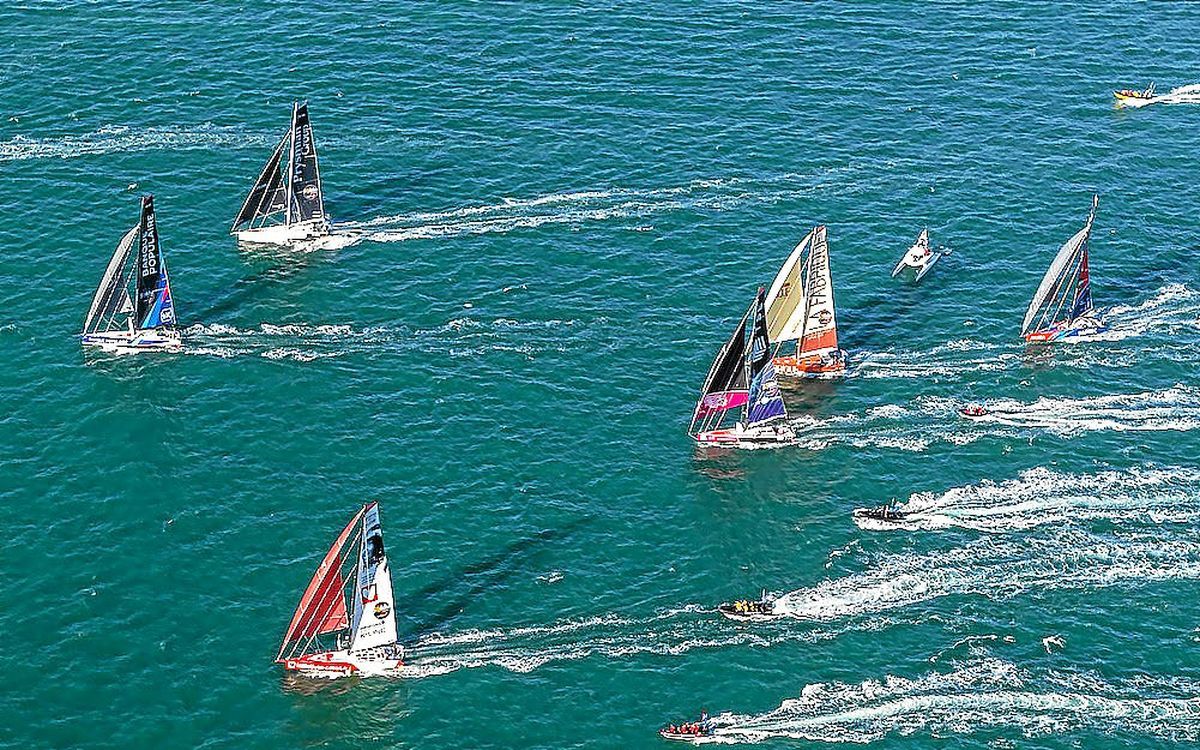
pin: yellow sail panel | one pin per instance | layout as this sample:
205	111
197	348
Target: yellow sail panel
785	299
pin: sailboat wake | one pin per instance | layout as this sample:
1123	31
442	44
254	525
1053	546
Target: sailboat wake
116	139
927	420
1000	568
1042	496
460	337
670	632
983	694
588	206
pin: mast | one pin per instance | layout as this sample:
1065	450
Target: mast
291	162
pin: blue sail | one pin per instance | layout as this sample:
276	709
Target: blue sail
162	312
766	401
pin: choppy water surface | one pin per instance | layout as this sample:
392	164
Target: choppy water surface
552	218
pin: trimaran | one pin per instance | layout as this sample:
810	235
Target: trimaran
348	600
132	310
1062	308
743	376
286	206
919	258
800	308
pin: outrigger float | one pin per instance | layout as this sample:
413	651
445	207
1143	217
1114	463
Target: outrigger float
1062	308
919	258
743	376
800	308
132	310
364	630
286	206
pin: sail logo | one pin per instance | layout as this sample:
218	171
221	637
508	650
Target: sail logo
369	593
382	610
310	192
824	317
149	253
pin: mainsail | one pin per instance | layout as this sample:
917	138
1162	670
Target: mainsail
1066	279
322	609
304	187
725	387
289	189
374	620
112	296
765	401
154	305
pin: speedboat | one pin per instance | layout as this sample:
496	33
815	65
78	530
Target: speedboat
1134	99
887	512
973	410
691	731
746	610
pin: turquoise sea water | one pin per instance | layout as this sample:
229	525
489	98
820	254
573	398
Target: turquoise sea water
565	211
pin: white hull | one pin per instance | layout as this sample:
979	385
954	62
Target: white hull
382	661
284	235
131	342
739	436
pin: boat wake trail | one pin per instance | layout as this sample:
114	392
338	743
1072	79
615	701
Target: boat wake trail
582	207
122	139
460	337
669	632
1172	310
985	693
930	419
1189	94
1043	496
1000	567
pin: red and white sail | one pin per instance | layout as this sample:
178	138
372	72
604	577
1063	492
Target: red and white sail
322	608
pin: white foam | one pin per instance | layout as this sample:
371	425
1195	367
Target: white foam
1043	496
981	695
121	139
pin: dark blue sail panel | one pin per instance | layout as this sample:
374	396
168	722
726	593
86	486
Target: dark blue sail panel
766	400
307	202
1083	289
163	311
150	275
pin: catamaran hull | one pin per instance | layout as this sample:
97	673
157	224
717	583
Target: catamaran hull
284	235
131	342
812	367
330	665
772	436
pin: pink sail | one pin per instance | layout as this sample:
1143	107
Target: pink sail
721	401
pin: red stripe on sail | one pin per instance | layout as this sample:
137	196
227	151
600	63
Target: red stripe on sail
824	340
322	609
721	401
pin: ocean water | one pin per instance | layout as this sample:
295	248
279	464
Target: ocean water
562	212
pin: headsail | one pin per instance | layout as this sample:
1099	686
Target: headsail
322	609
267	196
304	187
726	385
785	300
374	621
819	333
1067	278
765	401
154	305
112	296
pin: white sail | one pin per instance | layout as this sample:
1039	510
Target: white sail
819	333
1050	282
112	296
785	308
374	620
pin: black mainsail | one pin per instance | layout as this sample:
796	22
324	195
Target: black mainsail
287	189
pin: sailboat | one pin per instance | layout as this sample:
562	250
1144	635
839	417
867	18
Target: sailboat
363	629
920	258
285	206
1062	308
800	309
743	375
132	310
